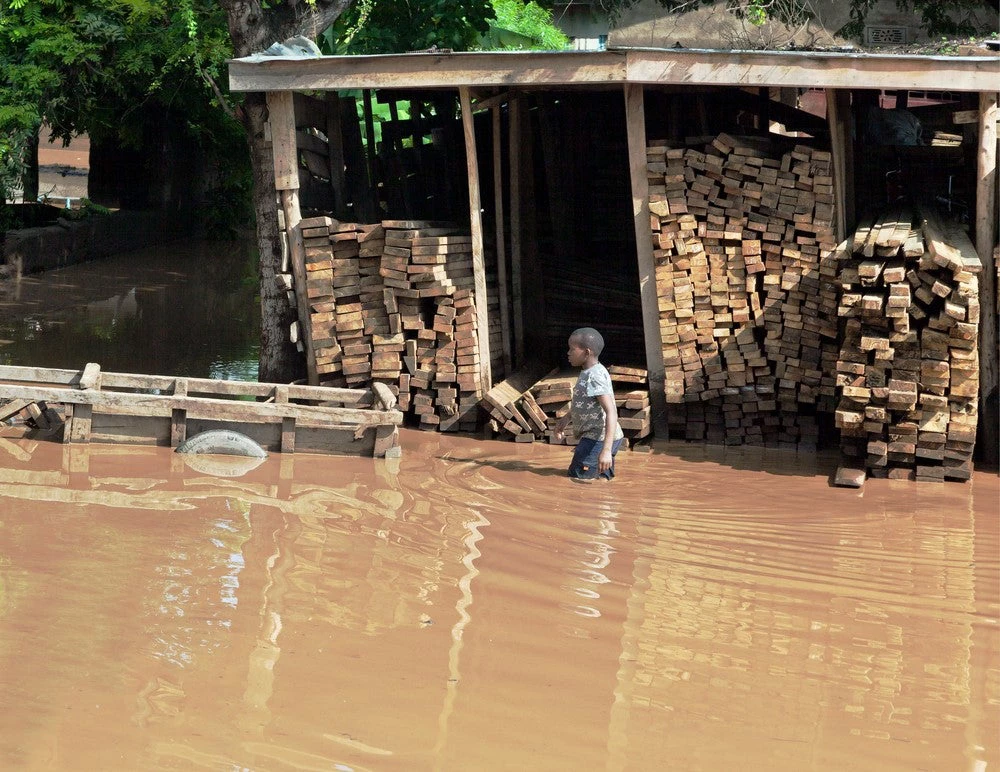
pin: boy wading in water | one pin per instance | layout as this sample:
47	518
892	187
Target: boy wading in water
592	410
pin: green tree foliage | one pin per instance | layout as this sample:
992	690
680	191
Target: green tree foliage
388	26
530	22
110	67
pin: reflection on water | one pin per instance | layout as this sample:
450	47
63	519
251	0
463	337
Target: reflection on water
463	608
186	308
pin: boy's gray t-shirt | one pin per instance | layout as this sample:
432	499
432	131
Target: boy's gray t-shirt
587	413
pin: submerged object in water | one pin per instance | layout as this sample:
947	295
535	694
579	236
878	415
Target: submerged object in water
224	442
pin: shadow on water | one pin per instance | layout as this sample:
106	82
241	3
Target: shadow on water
509	465
187	308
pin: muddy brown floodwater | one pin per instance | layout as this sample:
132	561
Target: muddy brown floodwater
185	308
465	607
468	608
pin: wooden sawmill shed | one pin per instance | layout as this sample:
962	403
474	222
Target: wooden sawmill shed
554	165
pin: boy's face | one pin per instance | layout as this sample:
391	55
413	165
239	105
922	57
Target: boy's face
577	354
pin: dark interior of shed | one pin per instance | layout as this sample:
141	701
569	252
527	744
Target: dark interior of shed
577	238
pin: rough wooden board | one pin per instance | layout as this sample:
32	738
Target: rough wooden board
685	67
231	410
90	378
13	407
849	477
519	382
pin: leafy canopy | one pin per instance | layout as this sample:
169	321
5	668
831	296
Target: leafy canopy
106	67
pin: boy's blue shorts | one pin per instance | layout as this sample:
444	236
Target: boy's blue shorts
585	458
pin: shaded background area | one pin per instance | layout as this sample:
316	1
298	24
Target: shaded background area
189	308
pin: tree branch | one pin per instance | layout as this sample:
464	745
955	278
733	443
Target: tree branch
223	103
252	28
297	18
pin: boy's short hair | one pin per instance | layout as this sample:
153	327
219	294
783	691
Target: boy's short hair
590	338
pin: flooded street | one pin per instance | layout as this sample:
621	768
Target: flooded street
186	308
467	607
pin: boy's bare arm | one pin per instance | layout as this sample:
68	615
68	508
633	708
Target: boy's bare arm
607	401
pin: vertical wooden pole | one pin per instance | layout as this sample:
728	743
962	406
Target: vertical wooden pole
986	238
476	227
370	152
842	148
514	160
501	240
281	116
764	110
335	143
635	121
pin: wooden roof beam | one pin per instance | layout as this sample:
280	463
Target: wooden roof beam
687	67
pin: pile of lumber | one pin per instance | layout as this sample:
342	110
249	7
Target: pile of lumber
35	415
393	303
745	267
908	369
512	409
526	406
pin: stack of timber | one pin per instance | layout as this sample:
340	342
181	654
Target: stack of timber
745	266
393	303
512	407
908	369
97	406
526	406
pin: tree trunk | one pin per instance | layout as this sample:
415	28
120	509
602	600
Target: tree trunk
279	361
252	28
29	179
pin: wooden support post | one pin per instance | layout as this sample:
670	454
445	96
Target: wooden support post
501	240
559	168
281	112
370	150
288	434
514	160
986	239
476	227
335	142
356	168
178	416
764	110
68	423
386	437
635	121
838	113
80	429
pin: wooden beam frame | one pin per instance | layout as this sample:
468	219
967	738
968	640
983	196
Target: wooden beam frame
501	241
635	121
476	228
514	120
281	117
838	115
986	239
489	103
335	143
810	69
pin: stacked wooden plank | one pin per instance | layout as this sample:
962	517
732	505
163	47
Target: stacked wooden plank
525	407
631	385
745	268
428	279
908	370
512	407
393	303
553	395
